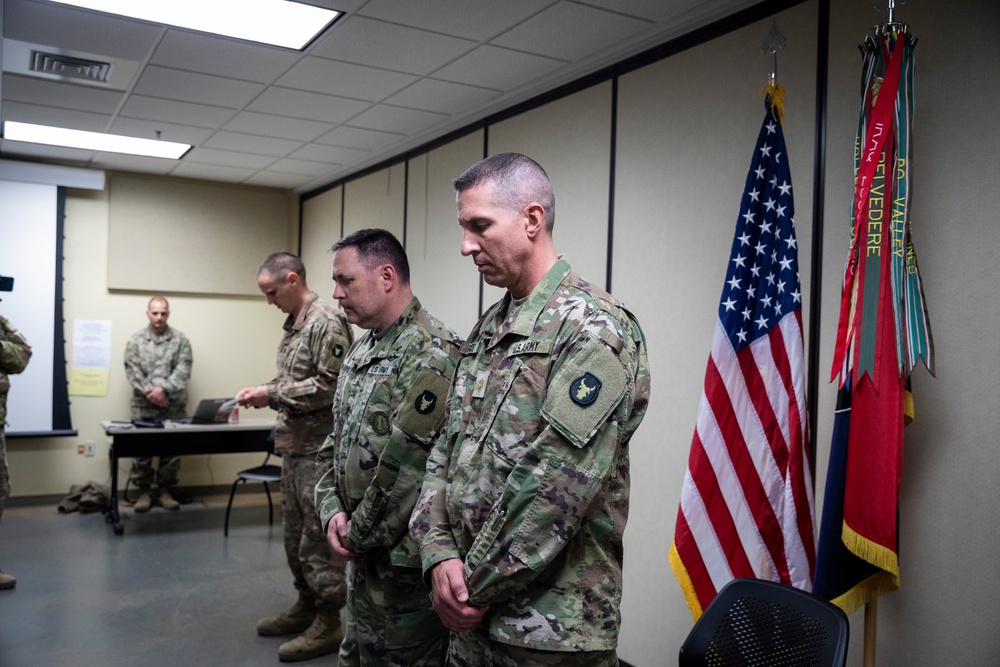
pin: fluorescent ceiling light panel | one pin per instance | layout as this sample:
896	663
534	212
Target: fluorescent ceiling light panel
277	22
94	141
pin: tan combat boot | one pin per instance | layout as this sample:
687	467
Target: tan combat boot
167	501
6	581
291	622
321	638
144	501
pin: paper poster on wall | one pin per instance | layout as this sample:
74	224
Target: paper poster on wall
88	374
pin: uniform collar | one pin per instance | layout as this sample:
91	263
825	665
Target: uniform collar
375	347
296	323
522	322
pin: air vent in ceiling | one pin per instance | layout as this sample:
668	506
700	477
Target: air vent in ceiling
60	65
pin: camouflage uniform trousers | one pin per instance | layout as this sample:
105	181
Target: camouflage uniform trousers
390	620
4	472
143	474
474	649
317	575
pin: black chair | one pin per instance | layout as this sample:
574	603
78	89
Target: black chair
754	622
265	472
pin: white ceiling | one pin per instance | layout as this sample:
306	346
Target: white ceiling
388	76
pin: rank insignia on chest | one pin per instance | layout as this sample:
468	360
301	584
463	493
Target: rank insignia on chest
479	389
380	423
425	402
585	389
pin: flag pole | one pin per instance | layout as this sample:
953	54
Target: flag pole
871	621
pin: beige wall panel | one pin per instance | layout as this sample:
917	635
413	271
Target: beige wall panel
233	341
446	282
571	139
217	232
687	127
376	200
321	222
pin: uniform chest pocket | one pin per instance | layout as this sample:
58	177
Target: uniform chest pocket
516	419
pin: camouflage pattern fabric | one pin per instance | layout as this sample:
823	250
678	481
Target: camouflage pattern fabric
474	649
14	355
317	575
529	485
158	361
308	361
388	410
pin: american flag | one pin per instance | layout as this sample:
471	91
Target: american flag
746	506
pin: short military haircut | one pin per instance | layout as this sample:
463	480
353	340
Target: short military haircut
376	247
517	181
166	303
280	264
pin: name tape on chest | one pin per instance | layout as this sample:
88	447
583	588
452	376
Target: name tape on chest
530	346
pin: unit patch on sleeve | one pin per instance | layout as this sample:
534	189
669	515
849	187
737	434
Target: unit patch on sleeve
585	389
422	410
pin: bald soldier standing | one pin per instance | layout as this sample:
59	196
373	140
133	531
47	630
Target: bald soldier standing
525	499
309	358
389	408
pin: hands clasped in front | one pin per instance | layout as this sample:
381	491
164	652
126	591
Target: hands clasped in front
451	597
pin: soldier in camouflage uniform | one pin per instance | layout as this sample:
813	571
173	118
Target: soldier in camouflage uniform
14	355
389	408
309	358
158	366
525	499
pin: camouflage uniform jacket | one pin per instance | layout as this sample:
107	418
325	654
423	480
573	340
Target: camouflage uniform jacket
389	408
158	361
14	355
308	361
529	485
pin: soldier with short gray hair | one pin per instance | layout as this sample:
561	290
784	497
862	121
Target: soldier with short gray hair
525	498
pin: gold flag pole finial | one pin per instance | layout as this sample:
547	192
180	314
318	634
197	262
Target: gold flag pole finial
773	91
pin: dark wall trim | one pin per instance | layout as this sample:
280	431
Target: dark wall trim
819	202
613	163
62	422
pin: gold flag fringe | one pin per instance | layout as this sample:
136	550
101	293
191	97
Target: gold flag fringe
775	95
680	572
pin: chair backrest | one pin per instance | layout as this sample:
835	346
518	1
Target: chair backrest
754	622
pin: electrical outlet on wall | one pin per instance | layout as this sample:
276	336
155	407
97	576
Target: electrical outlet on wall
85	448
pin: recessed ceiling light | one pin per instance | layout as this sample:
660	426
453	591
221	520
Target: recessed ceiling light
277	22
94	141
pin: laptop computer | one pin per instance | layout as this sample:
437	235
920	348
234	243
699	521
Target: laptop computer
212	411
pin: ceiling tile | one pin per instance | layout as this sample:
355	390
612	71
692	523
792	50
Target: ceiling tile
330	76
194	87
277	126
72	156
311	106
122	162
58	94
247	143
197	52
79	29
570	31
227	158
441	96
651	10
269	179
356	137
400	48
398	119
480	23
76	120
497	68
147	129
300	167
166	111
212	172
329	154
